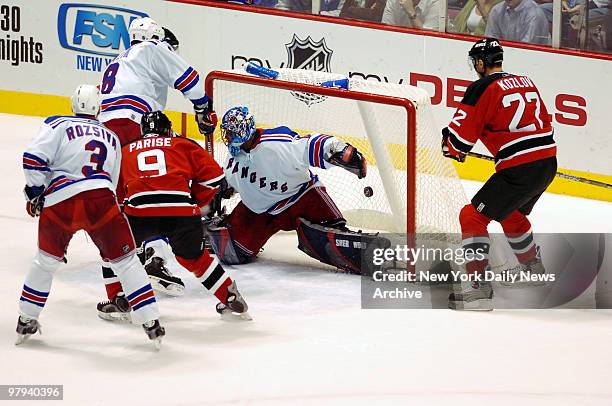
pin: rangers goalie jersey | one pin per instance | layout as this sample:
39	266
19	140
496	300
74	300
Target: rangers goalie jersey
167	176
70	155
275	173
508	115
137	81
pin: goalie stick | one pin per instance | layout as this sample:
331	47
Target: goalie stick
561	175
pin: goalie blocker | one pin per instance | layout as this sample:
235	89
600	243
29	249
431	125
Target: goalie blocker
329	242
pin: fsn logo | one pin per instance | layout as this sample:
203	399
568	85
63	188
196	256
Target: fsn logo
95	29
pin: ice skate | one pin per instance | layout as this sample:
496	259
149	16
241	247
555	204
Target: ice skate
155	332
526	275
117	309
161	279
236	306
473	296
25	328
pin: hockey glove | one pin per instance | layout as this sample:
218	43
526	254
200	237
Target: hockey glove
35	199
448	150
206	118
351	160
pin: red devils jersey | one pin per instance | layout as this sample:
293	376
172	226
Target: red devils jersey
166	176
508	115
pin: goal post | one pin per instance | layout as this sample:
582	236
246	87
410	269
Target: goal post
414	188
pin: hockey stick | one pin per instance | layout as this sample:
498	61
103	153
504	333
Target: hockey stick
561	175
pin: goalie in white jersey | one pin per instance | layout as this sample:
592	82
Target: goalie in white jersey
270	169
71	169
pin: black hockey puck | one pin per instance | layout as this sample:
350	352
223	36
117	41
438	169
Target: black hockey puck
367	191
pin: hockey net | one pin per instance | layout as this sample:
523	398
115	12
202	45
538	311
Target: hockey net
415	189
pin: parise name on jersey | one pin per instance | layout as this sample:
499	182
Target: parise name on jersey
150	143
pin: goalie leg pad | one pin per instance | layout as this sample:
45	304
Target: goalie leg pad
340	247
226	248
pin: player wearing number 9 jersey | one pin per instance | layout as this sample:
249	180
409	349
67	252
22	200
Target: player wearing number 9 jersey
71	169
506	113
165	179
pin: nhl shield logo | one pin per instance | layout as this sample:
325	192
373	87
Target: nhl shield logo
310	55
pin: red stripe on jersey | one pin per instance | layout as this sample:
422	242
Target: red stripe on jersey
125	101
187	80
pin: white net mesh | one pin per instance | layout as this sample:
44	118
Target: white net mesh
379	131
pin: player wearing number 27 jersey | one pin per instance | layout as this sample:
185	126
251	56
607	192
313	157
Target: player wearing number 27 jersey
506	113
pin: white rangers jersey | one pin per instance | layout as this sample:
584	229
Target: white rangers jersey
276	172
137	81
70	155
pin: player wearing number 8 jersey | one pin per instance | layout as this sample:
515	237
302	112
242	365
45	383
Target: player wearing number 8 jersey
506	113
137	81
72	168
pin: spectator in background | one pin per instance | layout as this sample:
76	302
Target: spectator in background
366	10
518	20
472	19
412	13
329	7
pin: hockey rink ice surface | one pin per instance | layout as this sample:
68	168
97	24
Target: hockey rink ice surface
309	342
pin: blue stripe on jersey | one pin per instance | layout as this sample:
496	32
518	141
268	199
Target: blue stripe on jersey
274	139
36	168
201	101
124	106
54	121
279	130
191	84
34	158
128	97
72	182
182	77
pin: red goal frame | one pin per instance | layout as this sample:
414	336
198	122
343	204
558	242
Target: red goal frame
407	104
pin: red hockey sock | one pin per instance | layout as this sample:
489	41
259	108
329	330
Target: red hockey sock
111	283
517	229
210	273
475	237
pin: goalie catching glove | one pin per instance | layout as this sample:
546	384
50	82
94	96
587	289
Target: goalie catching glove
447	148
351	160
206	118
35	199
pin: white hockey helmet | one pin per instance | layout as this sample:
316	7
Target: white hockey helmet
144	29
86	100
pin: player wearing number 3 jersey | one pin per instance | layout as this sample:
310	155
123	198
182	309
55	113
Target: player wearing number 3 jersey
72	168
506	113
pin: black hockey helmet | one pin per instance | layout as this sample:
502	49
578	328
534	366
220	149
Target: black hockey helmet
156	123
488	50
170	39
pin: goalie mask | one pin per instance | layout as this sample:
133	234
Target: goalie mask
237	127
